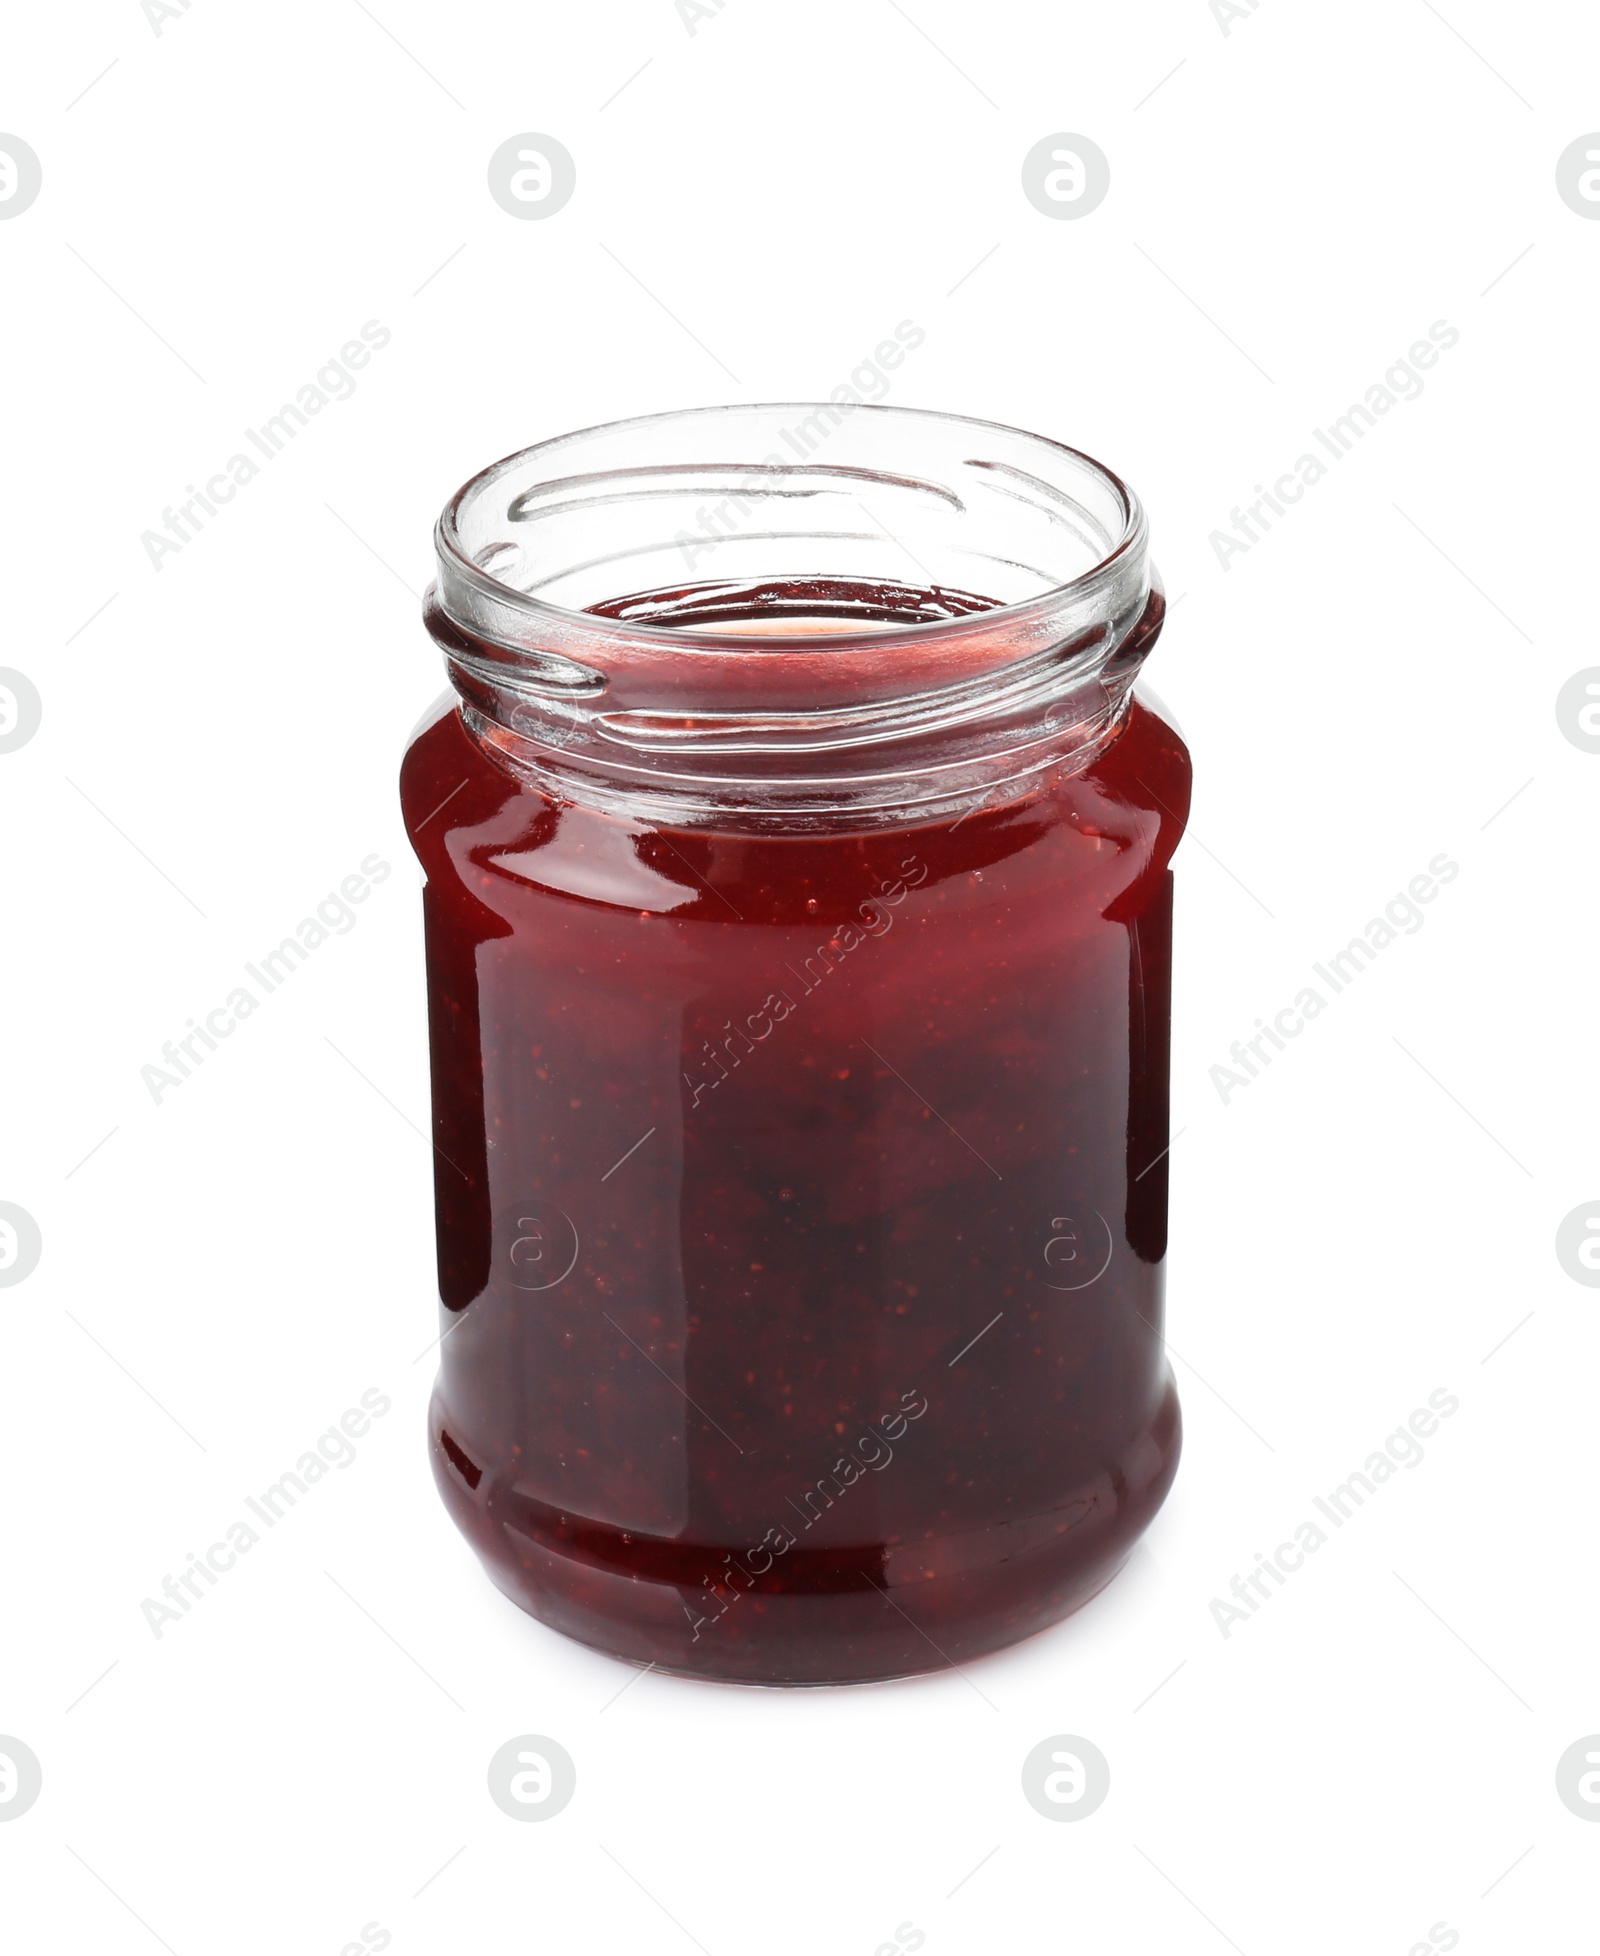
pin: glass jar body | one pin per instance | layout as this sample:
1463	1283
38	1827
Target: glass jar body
801	1205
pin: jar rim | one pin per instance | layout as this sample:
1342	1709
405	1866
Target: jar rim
463	579
809	696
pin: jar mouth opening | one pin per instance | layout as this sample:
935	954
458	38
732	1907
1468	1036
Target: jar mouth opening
792	612
563	516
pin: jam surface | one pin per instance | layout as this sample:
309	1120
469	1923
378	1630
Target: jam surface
801	1206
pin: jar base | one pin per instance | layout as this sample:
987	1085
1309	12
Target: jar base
865	1630
808	1683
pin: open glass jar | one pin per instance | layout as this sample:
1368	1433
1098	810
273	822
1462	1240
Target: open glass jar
799	940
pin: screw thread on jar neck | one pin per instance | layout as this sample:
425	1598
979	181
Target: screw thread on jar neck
928	606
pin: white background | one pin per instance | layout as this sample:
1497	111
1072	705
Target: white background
1370	1220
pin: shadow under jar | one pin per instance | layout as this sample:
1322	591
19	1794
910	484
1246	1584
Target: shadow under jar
799	943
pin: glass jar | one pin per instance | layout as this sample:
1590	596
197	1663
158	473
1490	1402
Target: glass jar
799	940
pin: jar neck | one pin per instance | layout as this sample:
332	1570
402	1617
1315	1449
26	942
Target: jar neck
919	752
795	682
